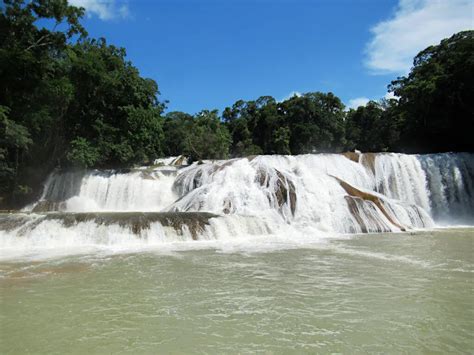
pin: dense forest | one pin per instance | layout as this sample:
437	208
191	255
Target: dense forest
68	100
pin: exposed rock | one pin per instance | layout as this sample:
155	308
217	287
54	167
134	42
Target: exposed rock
180	160
374	225
195	222
352	191
228	208
354	209
22	222
11	221
284	191
48	206
262	178
182	188
354	156
179	185
121	171
168	172
226	164
368	161
148	175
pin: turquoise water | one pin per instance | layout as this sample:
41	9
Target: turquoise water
389	293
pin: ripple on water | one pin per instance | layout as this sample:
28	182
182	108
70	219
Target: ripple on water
377	293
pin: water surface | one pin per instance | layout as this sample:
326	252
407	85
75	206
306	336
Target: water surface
390	293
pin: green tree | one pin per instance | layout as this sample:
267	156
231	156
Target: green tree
241	120
82	153
14	141
33	88
372	128
67	100
177	127
435	99
210	139
113	108
281	140
316	122
144	134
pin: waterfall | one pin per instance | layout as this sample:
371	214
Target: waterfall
450	182
138	190
307	195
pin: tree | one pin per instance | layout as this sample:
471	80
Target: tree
67	100
301	124
14	141
240	120
372	128
33	89
316	122
177	127
435	99
113	108
82	153
281	140
209	138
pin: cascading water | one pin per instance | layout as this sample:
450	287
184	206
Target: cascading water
308	195
108	191
450	181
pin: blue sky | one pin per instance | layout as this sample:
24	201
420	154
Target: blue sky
207	54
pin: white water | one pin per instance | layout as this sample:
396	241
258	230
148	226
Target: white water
281	197
110	191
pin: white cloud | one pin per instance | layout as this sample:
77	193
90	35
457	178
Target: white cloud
104	9
124	11
390	95
362	101
290	95
415	25
359	101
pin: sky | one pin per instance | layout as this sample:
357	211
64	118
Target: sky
207	54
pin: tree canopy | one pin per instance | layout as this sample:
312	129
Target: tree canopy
66	99
313	122
435	100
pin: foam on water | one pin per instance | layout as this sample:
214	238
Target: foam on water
284	199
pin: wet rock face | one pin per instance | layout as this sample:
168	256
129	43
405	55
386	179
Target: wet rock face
283	188
368	161
192	179
195	223
48	206
352	156
137	222
195	177
180	160
228	207
11	221
368	223
285	192
148	175
354	192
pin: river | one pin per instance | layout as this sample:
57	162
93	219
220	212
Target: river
376	293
